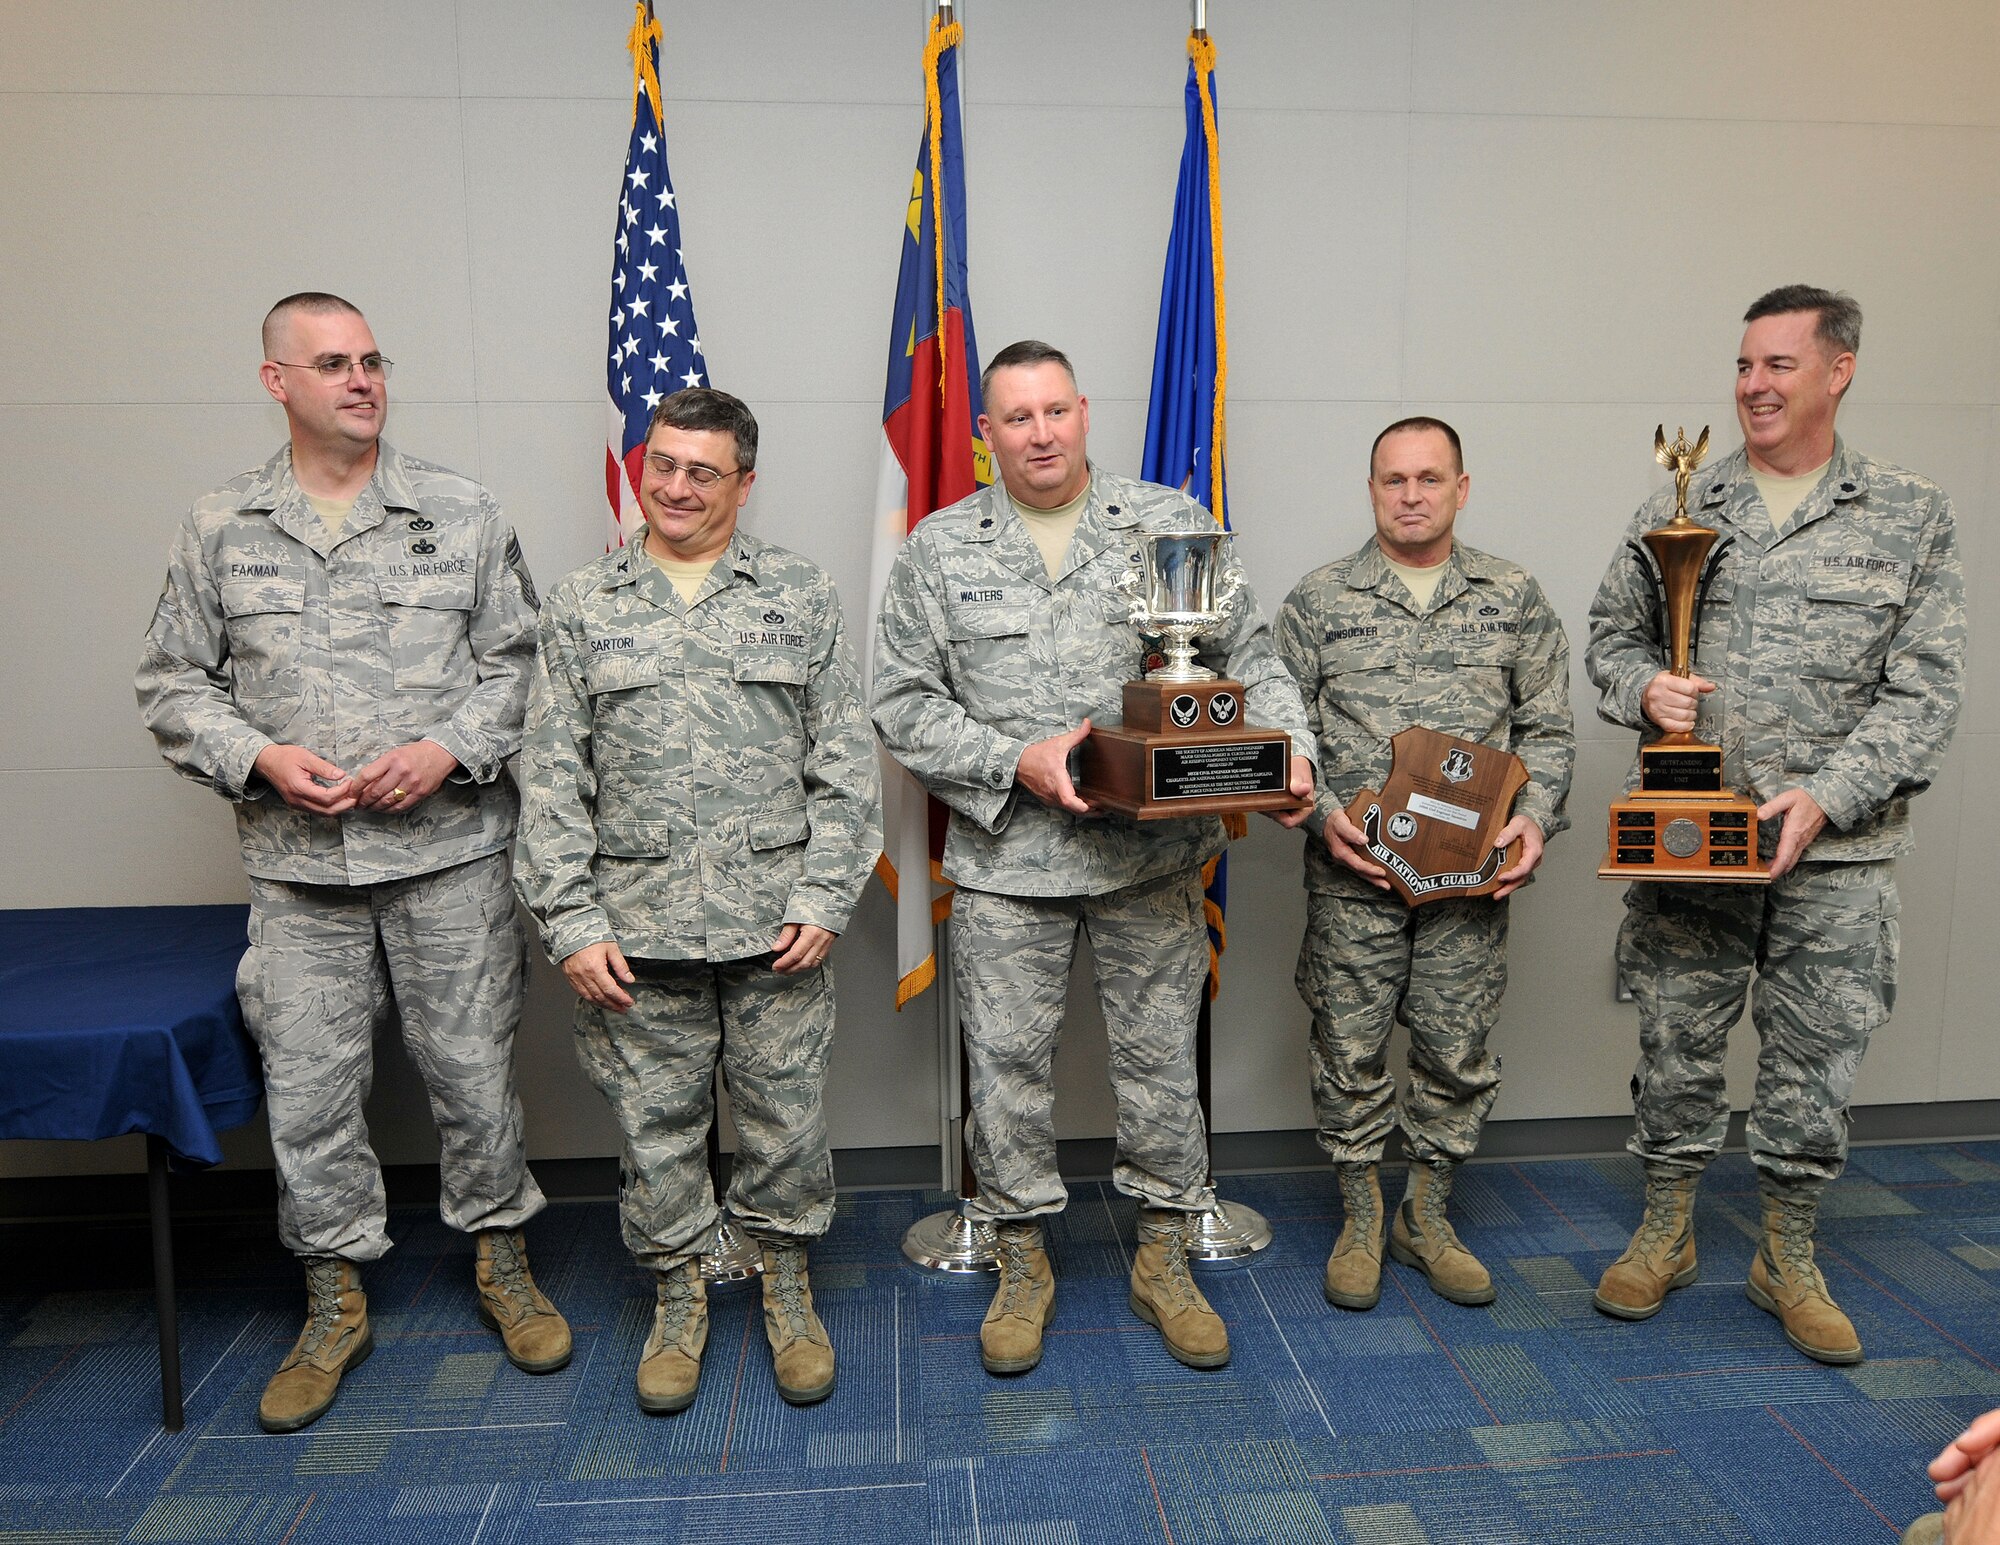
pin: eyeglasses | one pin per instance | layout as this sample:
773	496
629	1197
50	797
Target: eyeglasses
664	468
337	367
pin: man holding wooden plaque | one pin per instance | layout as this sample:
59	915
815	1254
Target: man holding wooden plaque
1828	636
1004	635
1457	660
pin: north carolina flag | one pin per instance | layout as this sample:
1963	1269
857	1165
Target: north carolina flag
1185	439
932	456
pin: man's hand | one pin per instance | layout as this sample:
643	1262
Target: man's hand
595	972
1301	787
1804	820
296	772
1670	701
404	778
1954	1465
1349	845
802	947
1521	829
1972	1517
1044	771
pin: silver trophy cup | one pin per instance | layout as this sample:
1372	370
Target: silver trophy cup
1180	593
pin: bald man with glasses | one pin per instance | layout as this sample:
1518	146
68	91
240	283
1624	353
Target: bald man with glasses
341	651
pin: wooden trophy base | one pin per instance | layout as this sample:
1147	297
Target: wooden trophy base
1682	825
1183	751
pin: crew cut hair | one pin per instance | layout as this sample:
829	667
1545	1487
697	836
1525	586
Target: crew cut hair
1839	327
1029	351
705	408
315	302
1418	421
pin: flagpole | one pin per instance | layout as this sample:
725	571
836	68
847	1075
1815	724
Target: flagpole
947	1241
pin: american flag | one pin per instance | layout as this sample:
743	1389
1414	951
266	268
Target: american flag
654	347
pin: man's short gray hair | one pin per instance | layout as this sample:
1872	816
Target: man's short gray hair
1029	351
313	302
1839	313
702	408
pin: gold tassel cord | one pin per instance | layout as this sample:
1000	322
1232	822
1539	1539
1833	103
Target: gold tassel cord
645	73
940	39
1201	49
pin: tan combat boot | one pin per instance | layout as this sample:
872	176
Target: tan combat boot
1164	1294
1010	1337
801	1354
670	1364
1423	1237
1784	1281
1660	1257
536	1337
1354	1270
336	1341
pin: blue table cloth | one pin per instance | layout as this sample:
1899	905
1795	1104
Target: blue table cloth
124	1019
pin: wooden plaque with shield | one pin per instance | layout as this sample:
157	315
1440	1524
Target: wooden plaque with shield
1441	808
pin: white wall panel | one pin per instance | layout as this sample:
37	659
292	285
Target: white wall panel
372	48
1539	220
158	230
1846	61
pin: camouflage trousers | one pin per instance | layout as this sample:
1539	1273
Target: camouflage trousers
1011	959
655	1064
1368	960
1823	944
446	953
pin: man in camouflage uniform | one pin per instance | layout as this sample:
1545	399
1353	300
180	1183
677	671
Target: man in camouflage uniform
1833	623
702	808
1415	629
1002	637
342	652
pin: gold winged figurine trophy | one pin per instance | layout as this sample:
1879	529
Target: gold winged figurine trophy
1681	824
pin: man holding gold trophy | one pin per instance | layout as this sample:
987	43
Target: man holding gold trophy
1418	632
1826	627
1006	634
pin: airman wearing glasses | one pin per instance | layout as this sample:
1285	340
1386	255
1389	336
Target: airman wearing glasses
702	808
342	651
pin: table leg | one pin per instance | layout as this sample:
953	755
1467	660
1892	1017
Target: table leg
163	1282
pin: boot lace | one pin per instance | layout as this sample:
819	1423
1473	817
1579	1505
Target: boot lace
1174	1261
1016	1270
1431	1204
510	1275
675	1301
789	1284
1660	1227
1359	1198
322	1302
1794	1244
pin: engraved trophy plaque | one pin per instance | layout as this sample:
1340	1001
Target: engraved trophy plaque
1681	823
1433	825
1184	748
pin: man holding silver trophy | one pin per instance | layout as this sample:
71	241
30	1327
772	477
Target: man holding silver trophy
1004	635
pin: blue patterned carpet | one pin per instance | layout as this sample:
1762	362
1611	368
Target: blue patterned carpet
1535	1419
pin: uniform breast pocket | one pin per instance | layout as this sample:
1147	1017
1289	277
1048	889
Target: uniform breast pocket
1482	676
1361	679
771	691
989	656
429	630
265	620
625	707
1849	620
